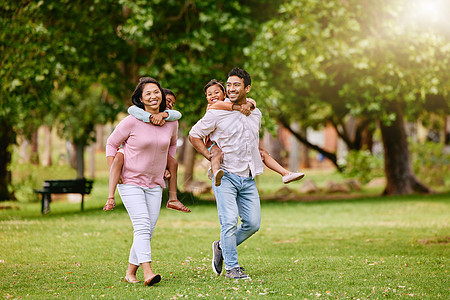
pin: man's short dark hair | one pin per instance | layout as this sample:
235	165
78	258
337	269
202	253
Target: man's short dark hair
241	73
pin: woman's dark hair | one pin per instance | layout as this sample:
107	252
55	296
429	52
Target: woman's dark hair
169	92
213	82
137	94
241	73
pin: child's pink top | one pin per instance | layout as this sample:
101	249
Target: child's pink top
146	149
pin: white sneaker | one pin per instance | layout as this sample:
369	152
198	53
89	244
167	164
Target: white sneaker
292	176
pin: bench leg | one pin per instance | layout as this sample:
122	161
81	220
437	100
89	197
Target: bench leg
42	203
45	205
82	202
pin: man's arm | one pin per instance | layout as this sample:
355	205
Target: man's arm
199	145
204	127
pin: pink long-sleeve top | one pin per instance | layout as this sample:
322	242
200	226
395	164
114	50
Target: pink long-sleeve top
145	151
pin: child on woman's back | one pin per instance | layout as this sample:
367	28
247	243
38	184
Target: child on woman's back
172	164
215	95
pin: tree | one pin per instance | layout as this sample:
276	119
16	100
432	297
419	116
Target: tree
184	44
52	45
327	60
80	111
27	75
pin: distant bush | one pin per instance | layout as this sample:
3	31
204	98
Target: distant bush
428	159
430	162
26	177
363	165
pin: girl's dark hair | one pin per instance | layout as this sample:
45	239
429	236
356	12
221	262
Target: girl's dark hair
137	94
241	73
169	92
214	82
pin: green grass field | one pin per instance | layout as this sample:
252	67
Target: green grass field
375	248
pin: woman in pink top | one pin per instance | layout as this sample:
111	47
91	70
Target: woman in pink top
146	149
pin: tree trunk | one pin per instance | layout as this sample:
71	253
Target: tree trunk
400	179
180	151
34	158
71	154
189	163
24	151
356	133
446	132
47	153
79	149
305	162
92	152
7	138
99	143
293	152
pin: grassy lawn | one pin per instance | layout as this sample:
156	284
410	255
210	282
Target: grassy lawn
394	247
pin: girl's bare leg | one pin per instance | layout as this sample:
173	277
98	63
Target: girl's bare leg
173	202
272	164
114	178
215	165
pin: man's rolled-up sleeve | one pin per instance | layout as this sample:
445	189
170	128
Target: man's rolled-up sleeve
204	126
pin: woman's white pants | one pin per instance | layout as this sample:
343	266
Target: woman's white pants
143	205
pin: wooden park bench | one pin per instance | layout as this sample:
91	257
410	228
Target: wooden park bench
67	186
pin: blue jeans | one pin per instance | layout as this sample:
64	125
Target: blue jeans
236	197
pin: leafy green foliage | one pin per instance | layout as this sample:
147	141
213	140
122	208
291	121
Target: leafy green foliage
55	45
363	166
324	60
184	44
430	158
80	110
29	177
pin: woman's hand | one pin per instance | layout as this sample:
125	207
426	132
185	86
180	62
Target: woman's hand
110	204
158	119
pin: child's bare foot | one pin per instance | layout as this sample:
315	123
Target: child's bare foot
292	176
110	204
218	177
177	205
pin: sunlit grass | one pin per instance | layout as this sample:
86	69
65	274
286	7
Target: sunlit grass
392	247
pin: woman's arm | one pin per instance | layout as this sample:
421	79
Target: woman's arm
173	141
118	136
